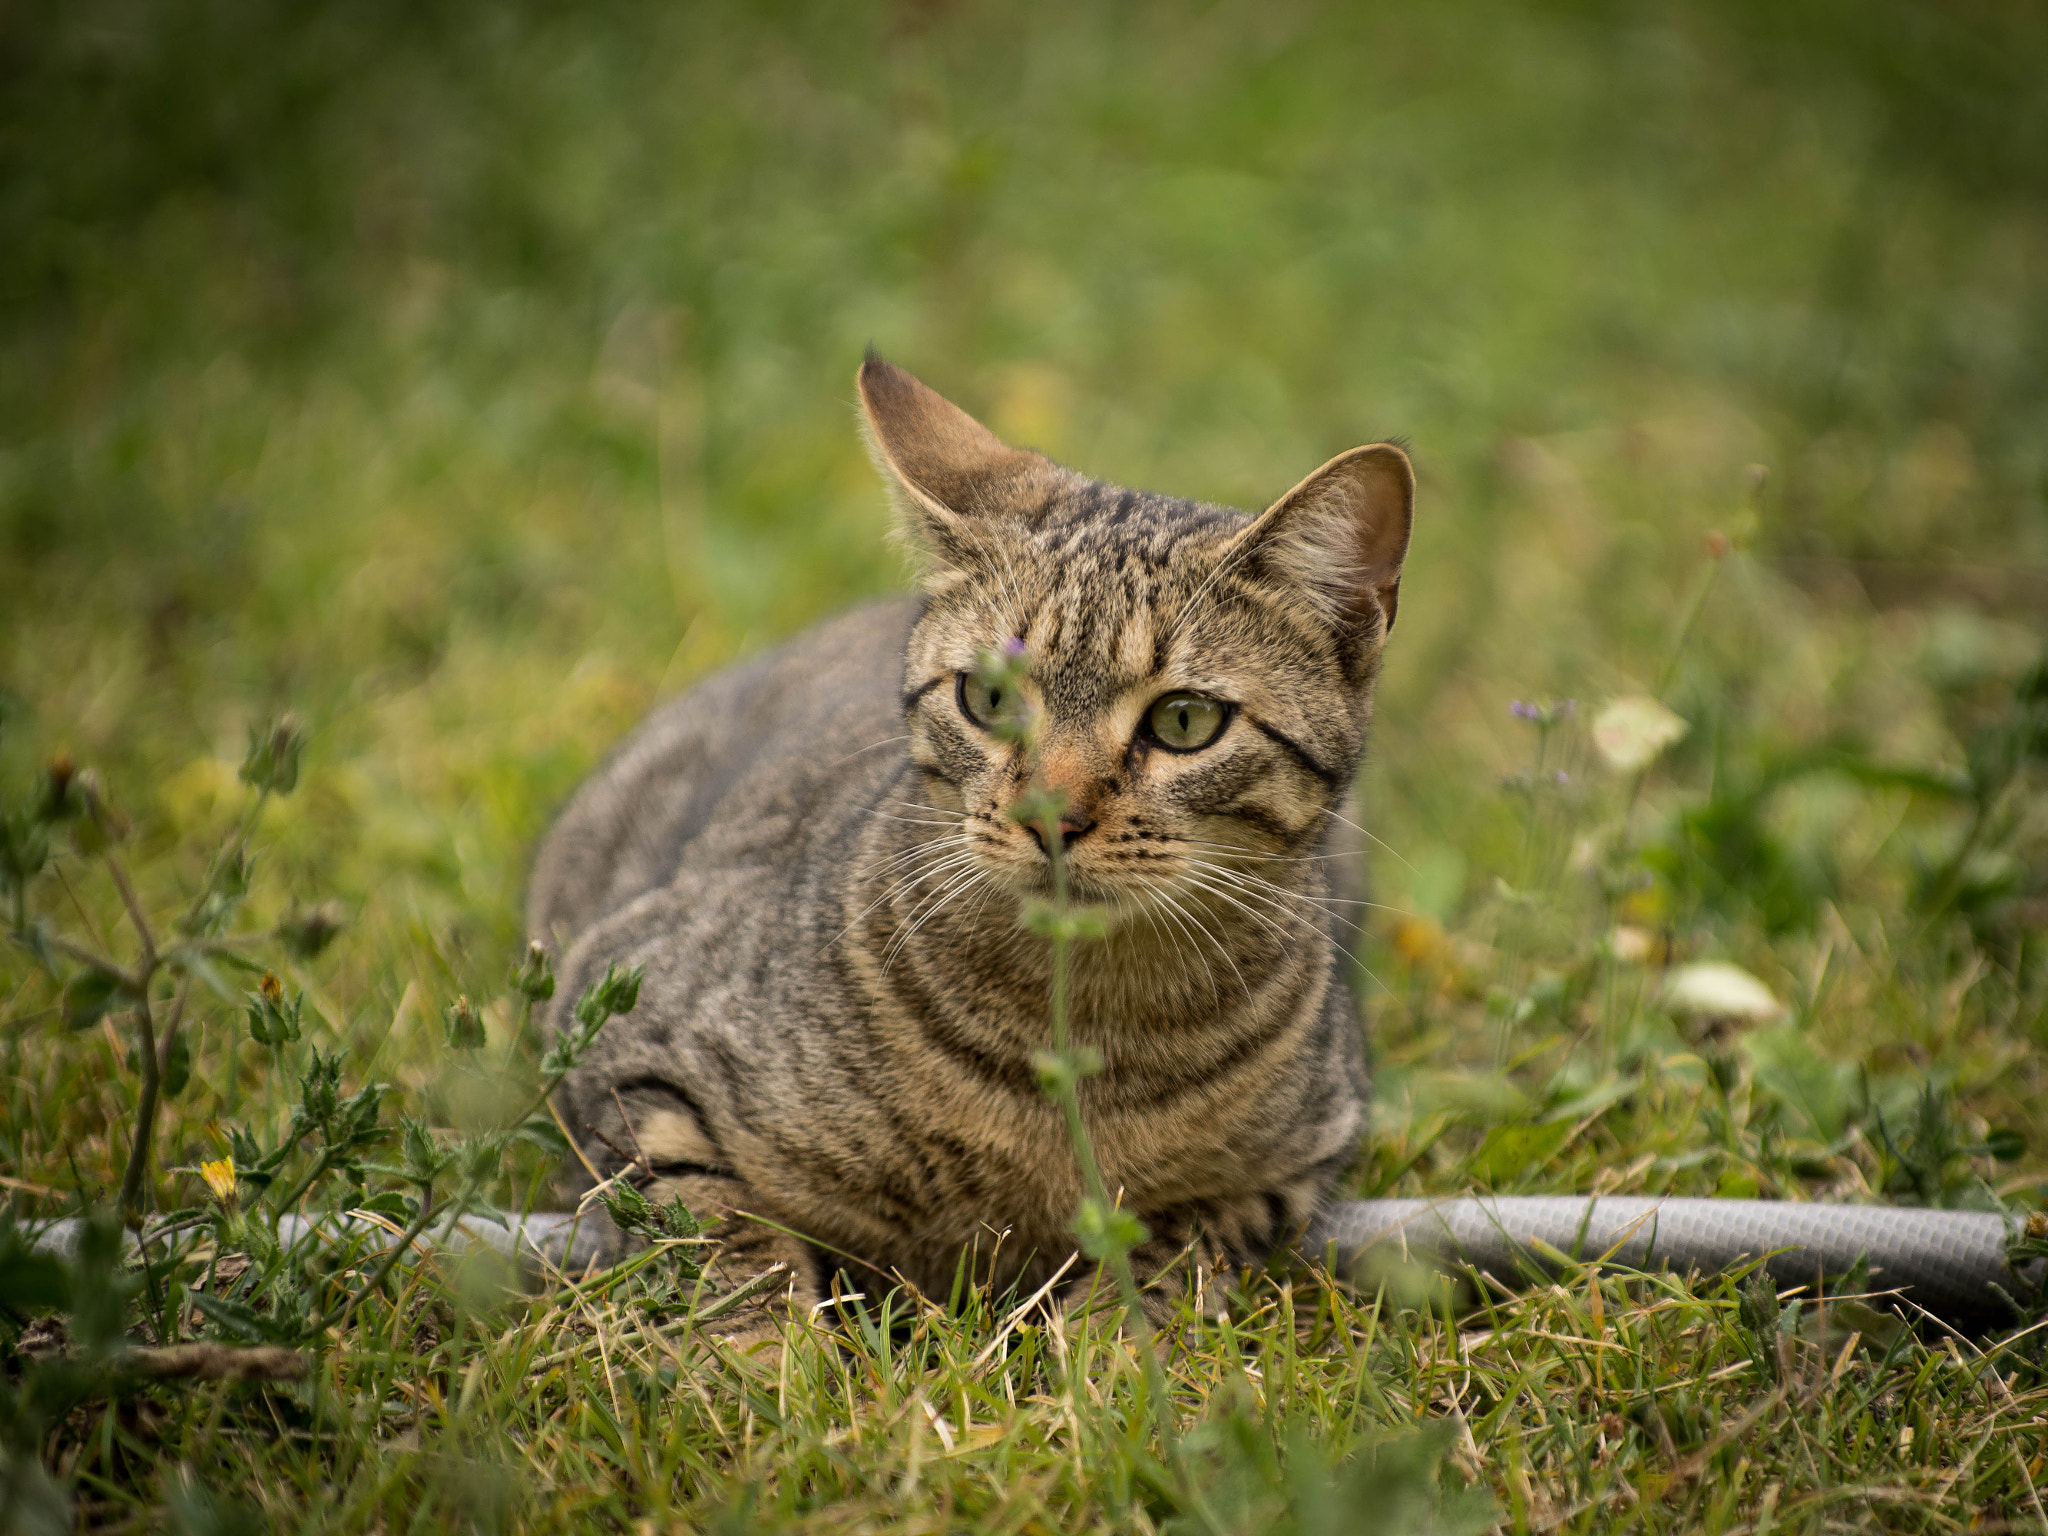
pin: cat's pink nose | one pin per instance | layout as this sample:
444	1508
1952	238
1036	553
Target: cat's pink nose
1072	826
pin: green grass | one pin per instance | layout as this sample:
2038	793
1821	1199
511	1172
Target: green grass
467	377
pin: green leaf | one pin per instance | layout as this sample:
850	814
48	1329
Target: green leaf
1880	1329
1051	922
30	1279
198	959
1392	1485
676	1219
1784	1064
242	1320
393	1205
1038	806
616	993
541	1131
1060	1073
35	938
1756	1306
31	1503
1509	1149
356	1122
425	1159
101	1283
178	1064
227	883
1107	1229
91	995
320	1093
630	1210
24	849
305	934
2008	1146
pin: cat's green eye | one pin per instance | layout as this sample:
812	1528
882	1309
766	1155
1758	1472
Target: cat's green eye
1187	721
985	705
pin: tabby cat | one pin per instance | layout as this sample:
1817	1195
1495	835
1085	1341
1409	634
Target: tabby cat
809	854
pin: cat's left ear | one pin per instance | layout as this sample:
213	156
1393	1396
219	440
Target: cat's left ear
953	475
1341	535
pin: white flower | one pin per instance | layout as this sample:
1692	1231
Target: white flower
1716	989
1633	729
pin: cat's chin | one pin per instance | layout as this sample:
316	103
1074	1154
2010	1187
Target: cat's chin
1033	881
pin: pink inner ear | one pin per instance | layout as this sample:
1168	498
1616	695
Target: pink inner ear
1344	530
1383	513
936	449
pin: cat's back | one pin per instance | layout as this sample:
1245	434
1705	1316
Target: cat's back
726	761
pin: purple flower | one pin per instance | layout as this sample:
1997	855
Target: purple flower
1013	647
1563	777
1541	714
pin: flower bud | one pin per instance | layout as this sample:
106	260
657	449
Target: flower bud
534	977
464	1024
59	800
272	761
305	934
273	1021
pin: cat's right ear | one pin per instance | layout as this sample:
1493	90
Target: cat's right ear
1341	536
951	473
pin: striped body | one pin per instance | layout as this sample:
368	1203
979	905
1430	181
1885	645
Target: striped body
811	857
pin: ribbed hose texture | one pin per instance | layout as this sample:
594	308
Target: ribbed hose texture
1946	1261
1950	1262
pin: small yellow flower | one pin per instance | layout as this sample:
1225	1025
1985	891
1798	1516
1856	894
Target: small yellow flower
220	1178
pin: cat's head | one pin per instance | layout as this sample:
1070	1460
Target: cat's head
1203	678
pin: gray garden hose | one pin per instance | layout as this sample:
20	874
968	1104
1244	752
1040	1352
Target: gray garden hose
1950	1262
1946	1261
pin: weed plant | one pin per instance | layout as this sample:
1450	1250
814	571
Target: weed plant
464	378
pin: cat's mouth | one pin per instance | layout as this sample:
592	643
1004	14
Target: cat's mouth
1028	873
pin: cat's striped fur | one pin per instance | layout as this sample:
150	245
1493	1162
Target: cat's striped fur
809	855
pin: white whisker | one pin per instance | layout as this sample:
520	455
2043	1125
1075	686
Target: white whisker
916	877
1200	883
1354	826
915	821
1203	928
958	885
1240	851
856	752
1190	949
1271	890
1321	901
1252	885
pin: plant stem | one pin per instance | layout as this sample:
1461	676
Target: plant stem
1941	890
147	1053
147	963
1692	613
92	957
1067	1094
145	1114
344	1308
319	1170
172	1022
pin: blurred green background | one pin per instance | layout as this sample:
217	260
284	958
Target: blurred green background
467	376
